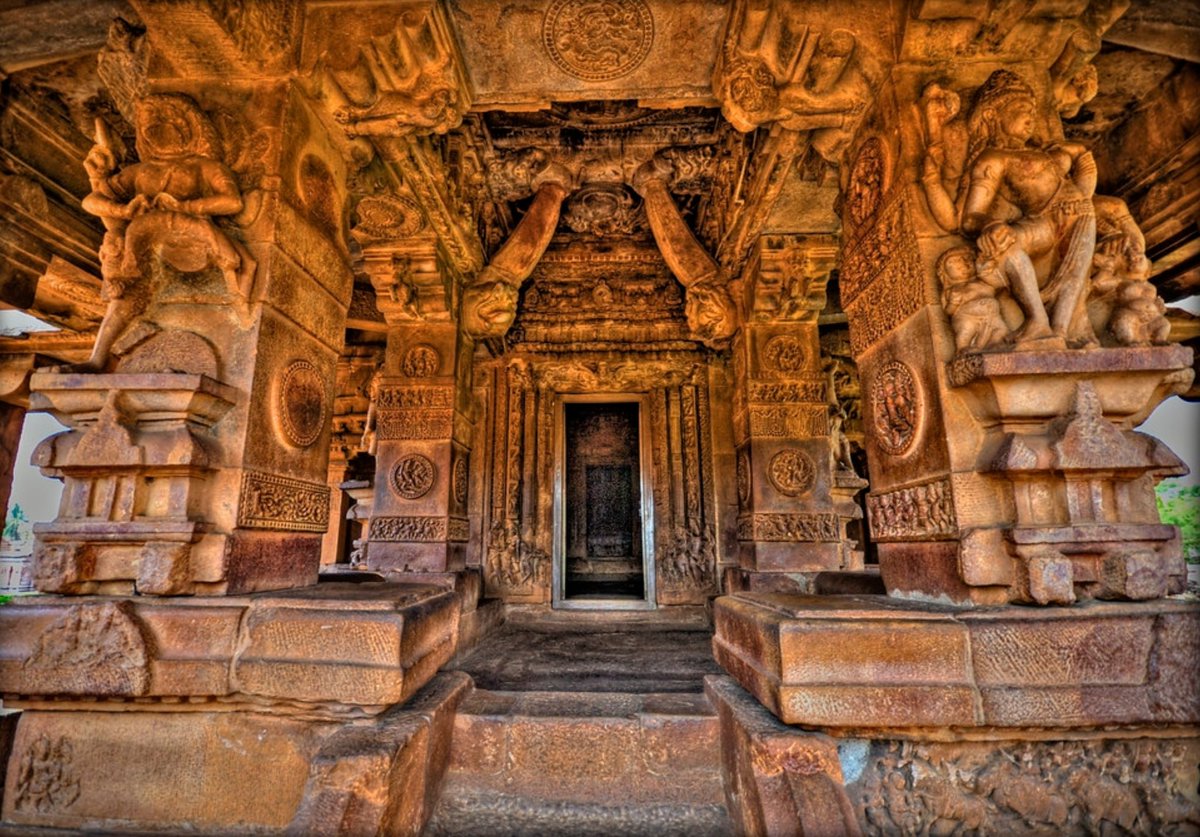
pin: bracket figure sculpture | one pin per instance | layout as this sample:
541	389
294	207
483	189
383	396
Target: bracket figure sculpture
160	212
404	83
822	86
1073	261
710	310
489	304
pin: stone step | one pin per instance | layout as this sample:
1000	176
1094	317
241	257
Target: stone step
583	763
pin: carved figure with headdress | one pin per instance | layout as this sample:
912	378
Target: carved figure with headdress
158	212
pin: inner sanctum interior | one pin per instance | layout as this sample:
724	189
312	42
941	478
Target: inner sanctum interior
473	406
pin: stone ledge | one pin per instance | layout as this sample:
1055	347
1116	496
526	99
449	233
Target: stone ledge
370	644
875	662
119	772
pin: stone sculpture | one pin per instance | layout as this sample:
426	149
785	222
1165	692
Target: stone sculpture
159	212
1073	261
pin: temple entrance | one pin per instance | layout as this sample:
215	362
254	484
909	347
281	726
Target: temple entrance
602	537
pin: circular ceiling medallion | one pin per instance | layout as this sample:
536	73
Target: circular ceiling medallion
387	216
301	403
598	40
421	361
791	472
896	407
413	476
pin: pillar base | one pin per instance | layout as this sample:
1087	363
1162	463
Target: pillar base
874	662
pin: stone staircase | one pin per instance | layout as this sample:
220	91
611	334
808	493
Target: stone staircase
583	763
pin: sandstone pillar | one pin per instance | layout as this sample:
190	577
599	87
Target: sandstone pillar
795	490
196	458
1009	342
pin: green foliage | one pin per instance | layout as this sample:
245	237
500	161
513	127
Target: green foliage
1179	505
5	600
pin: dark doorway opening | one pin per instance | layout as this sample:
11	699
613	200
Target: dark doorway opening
603	496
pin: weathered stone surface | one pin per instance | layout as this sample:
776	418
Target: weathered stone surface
873	662
778	780
364	644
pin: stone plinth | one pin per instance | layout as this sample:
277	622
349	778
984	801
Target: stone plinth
874	662
365	645
137	770
137	503
1072	482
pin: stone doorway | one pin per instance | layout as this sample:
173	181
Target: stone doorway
603	535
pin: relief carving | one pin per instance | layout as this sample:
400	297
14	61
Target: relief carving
94	648
421	361
806	81
743	479
386	217
896	403
811	391
785	353
300	404
688	560
46	780
799	528
406	82
273	502
919	512
1026	788
413	476
460	480
598	40
604	211
791	472
161	213
515	566
867	182
1072	261
421	529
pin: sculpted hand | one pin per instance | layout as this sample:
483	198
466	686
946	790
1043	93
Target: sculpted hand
995	240
167	202
100	162
138	206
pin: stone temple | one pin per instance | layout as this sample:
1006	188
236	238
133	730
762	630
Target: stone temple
600	416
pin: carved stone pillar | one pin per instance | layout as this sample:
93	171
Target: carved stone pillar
1008	342
196	461
12	419
422	451
794	496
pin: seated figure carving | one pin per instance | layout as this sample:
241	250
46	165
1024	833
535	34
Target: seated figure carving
159	212
1073	261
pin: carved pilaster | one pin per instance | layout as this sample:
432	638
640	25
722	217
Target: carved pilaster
795	494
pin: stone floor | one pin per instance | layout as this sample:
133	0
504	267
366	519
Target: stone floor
600	659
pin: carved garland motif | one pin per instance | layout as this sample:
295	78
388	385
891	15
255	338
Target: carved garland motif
421	361
598	40
799	528
791	472
896	403
411	529
413	476
301	403
866	181
273	502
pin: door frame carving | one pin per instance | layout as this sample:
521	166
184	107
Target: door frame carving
558	561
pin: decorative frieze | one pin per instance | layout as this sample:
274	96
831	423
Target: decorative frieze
817	527
420	529
918	512
269	501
